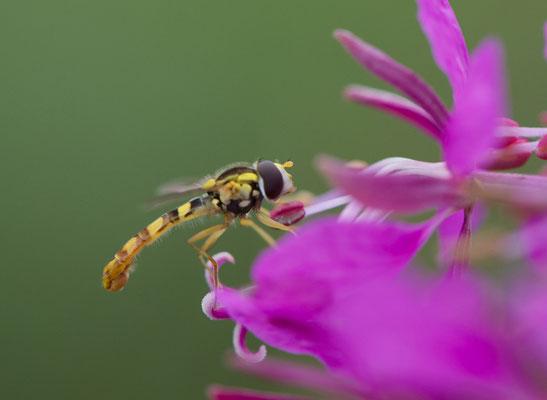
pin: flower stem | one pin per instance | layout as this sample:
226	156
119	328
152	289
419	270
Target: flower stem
460	262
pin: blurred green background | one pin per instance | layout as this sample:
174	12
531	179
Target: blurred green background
102	101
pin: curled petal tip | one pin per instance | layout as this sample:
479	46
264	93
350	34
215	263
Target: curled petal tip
220	258
210	309
240	332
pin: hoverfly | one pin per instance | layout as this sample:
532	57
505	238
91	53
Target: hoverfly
233	193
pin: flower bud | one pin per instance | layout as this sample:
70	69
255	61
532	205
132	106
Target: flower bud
541	149
513	155
288	213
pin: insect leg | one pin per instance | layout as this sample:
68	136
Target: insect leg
261	232
266	220
212	234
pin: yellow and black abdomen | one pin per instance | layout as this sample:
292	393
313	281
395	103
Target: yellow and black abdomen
116	272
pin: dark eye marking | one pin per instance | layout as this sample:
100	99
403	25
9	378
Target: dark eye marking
272	177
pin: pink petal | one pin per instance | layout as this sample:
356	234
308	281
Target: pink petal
402	78
478	106
425	340
525	193
211	309
396	105
402	193
305	376
240	332
518	131
217	392
530	313
322	293
326	259
534	240
328	201
220	258
446	40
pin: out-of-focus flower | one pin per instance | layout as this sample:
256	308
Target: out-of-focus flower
288	213
336	292
405	185
341	291
217	392
409	186
531	239
474	127
474	135
384	248
296	374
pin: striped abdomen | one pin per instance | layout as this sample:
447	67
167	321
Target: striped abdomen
116	272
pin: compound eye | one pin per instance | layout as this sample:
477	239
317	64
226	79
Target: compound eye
272	179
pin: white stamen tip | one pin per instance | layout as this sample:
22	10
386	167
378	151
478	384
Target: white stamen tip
241	350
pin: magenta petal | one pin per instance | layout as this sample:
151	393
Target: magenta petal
429	341
446	40
530	312
402	78
300	375
217	392
534	241
396	105
523	192
326	260
402	193
240	332
211	309
398	336
478	106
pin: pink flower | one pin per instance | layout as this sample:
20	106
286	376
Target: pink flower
289	373
336	292
342	290
475	127
473	135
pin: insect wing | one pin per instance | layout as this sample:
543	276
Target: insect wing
173	191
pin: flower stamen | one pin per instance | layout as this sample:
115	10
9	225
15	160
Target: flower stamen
462	252
240	332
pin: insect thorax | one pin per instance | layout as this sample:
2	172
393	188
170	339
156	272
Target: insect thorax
237	191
